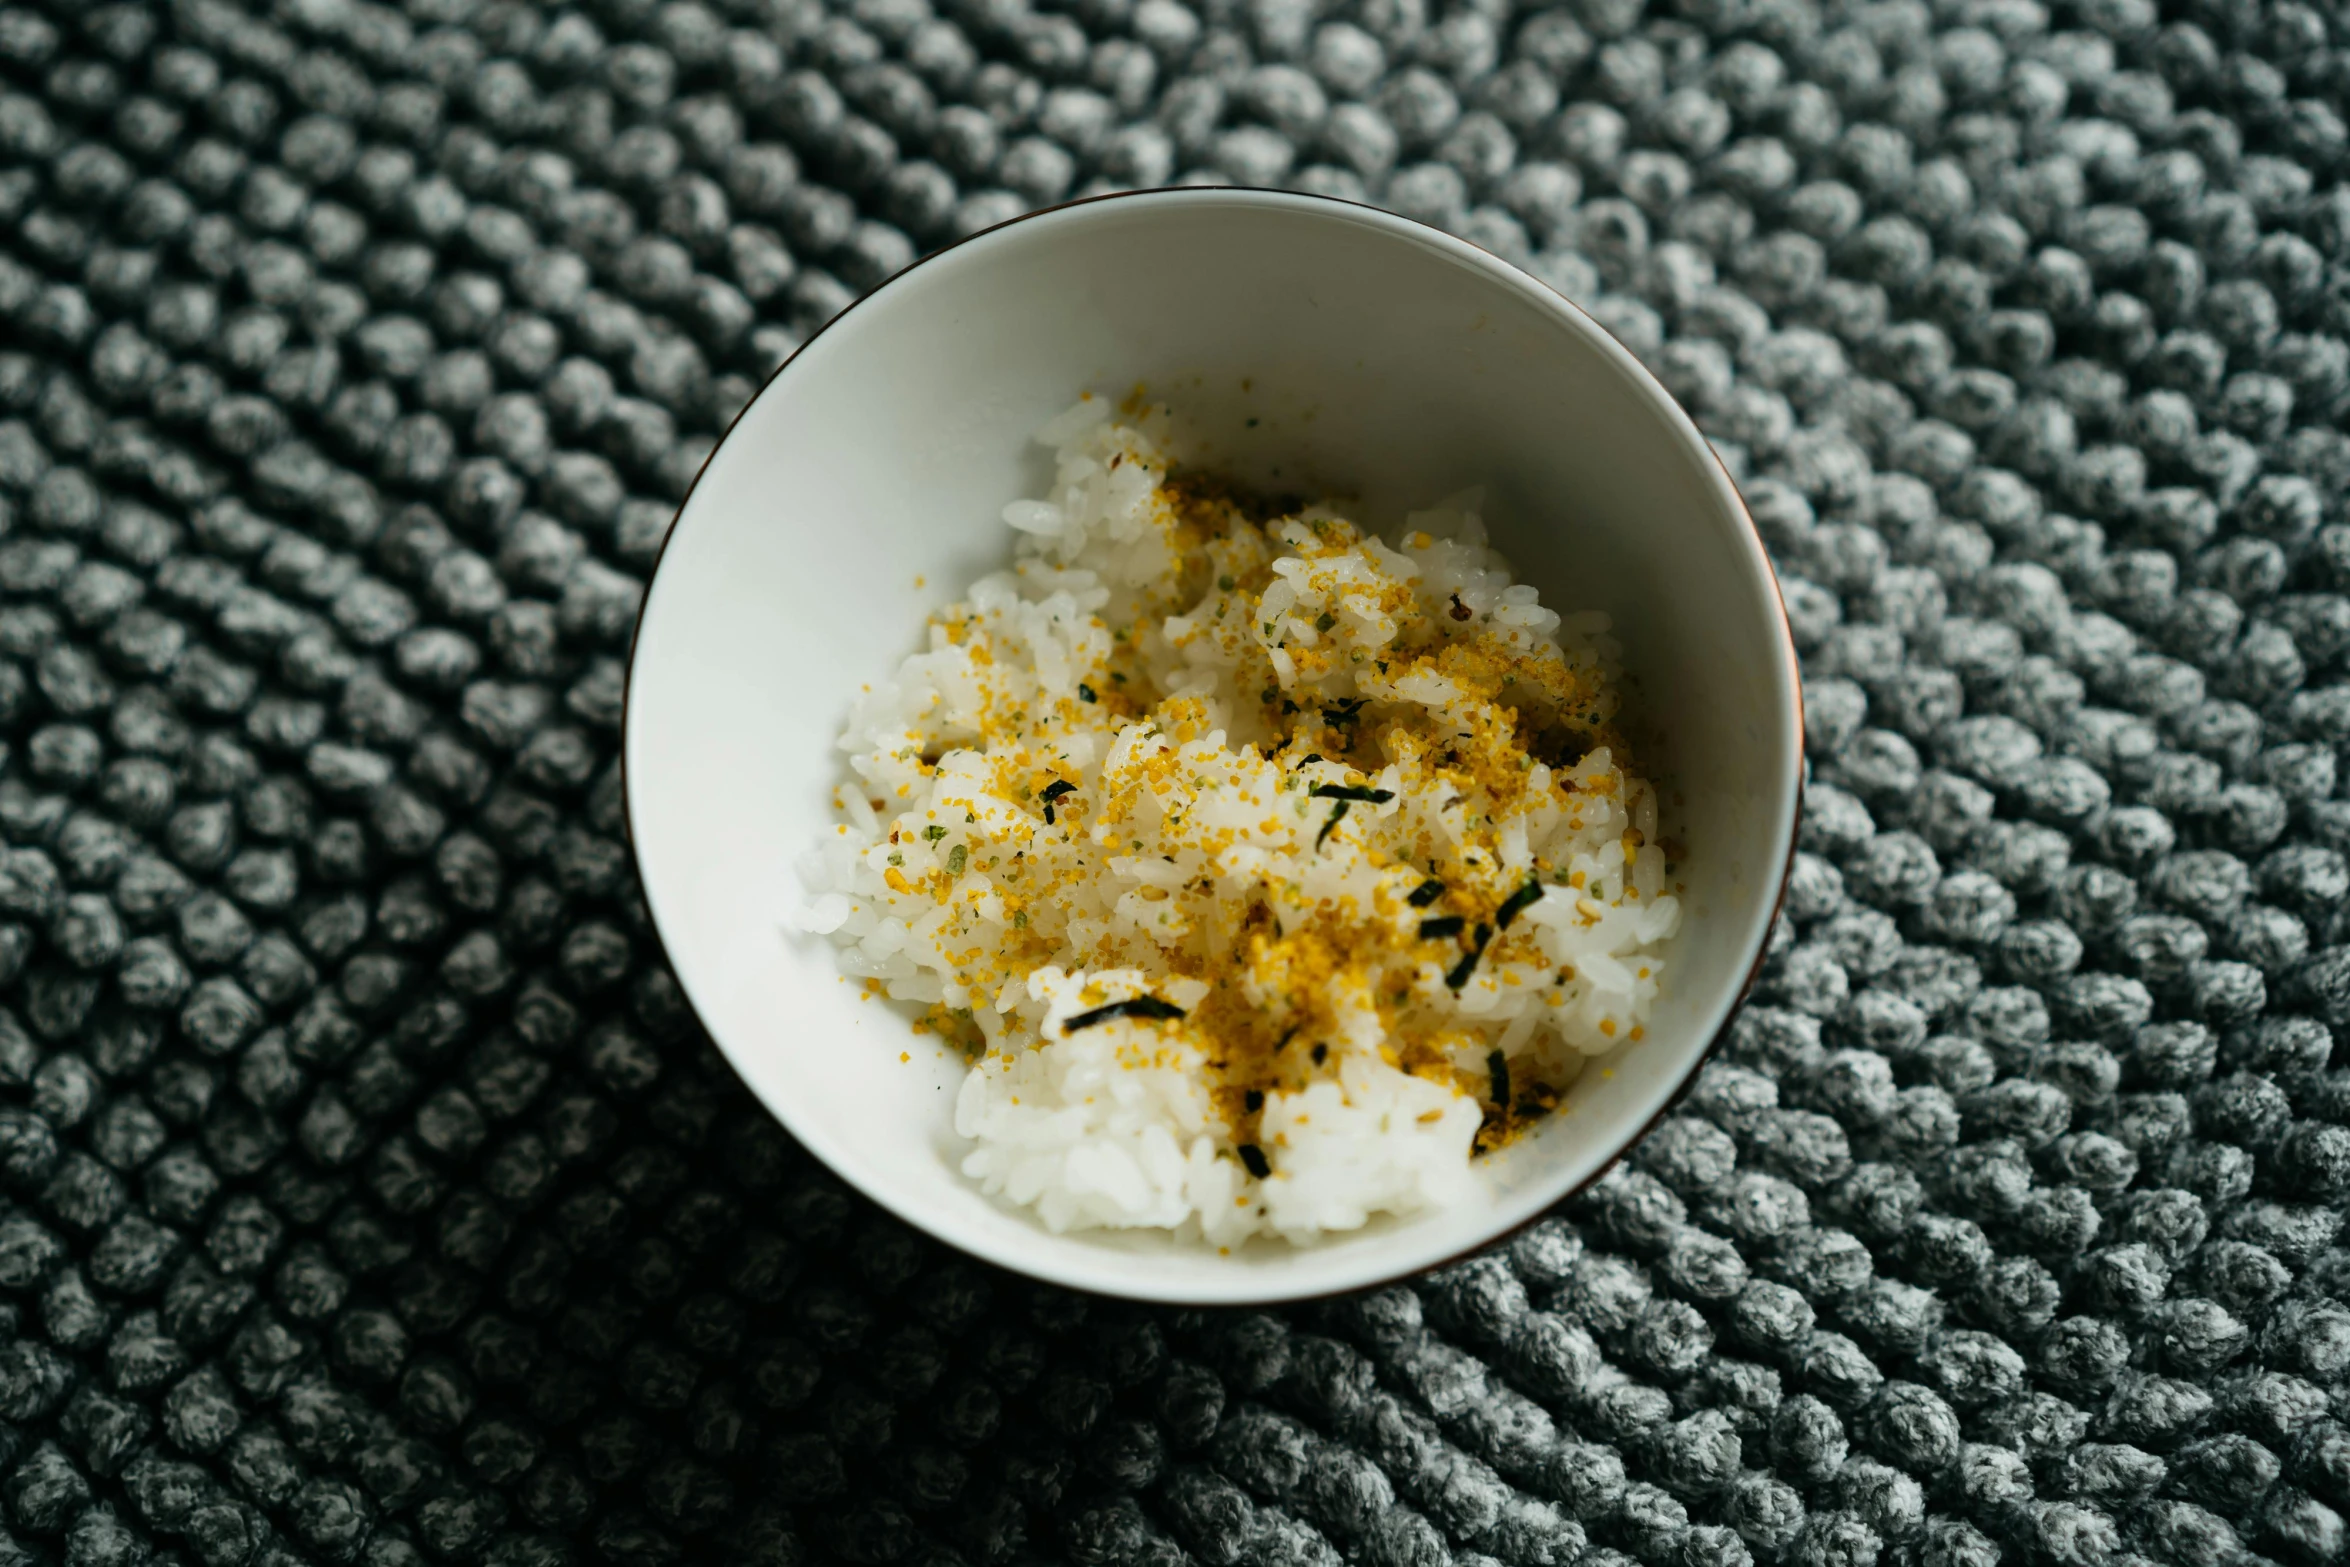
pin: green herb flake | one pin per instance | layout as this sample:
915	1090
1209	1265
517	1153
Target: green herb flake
956	860
1141	1006
1352	792
1518	902
933	833
1468	963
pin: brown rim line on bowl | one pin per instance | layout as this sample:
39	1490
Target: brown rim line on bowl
1311	343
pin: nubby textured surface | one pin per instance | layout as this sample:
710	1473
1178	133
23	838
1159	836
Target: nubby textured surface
367	1193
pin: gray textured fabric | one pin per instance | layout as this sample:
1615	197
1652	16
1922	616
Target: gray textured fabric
369	1195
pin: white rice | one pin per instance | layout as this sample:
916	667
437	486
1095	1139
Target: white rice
1182	680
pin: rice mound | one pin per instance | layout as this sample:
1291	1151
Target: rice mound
1267	871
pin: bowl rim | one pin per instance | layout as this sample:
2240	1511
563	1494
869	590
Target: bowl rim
1509	275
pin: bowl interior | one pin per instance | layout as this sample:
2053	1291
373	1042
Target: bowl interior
1323	348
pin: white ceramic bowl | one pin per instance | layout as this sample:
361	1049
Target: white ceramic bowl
1322	347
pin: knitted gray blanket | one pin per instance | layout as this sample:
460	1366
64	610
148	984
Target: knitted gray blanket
367	1194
